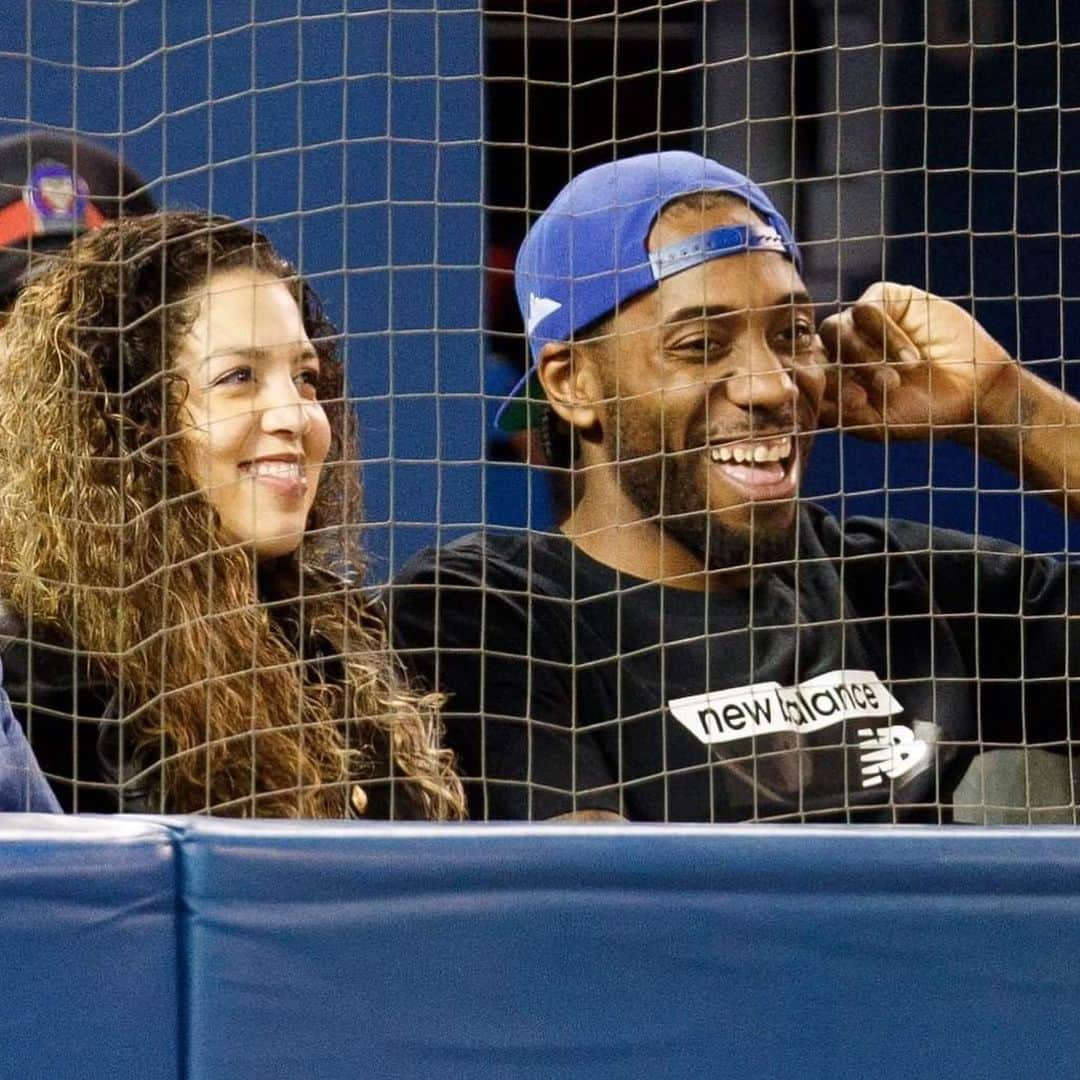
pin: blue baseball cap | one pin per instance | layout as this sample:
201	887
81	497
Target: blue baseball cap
586	255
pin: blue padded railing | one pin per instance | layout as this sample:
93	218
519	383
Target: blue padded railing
210	949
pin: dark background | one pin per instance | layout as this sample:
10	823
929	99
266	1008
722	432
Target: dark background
931	144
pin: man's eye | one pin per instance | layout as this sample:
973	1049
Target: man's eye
798	336
698	348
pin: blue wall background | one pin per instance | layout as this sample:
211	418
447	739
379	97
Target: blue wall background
352	132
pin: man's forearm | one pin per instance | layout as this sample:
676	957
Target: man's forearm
1033	429
589	817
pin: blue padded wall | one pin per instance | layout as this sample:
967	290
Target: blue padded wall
88	951
242	951
504	951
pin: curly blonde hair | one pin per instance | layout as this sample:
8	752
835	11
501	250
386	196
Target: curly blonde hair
246	687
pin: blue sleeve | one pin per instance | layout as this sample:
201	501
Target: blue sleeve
23	788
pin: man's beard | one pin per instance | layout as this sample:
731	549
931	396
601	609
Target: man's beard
670	489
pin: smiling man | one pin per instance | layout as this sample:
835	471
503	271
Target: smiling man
695	643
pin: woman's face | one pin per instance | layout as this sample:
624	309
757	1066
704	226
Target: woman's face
255	436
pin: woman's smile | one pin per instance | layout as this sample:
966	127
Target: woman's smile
285	475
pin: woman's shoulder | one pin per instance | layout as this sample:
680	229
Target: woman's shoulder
12	625
50	682
34	654
63	701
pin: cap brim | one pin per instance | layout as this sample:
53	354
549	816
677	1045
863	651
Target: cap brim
525	406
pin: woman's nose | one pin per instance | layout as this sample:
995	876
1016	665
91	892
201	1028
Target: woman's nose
284	409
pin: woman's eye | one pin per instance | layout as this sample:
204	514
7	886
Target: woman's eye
308	380
235	377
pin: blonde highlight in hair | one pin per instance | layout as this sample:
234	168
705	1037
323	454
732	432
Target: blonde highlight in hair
105	542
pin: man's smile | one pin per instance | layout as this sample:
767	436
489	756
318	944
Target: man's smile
759	468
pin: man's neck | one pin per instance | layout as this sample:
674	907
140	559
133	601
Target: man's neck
610	528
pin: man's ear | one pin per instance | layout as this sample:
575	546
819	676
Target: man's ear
570	384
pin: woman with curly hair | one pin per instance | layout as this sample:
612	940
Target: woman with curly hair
180	542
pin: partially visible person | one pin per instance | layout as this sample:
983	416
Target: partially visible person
180	541
519	488
23	788
697	643
512	496
54	188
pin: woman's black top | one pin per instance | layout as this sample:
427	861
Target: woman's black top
73	718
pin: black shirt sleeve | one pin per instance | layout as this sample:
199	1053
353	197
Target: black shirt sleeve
1014	617
469	624
1027	652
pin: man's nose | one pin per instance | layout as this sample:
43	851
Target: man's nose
762	381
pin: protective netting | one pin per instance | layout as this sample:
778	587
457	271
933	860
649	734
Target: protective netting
395	156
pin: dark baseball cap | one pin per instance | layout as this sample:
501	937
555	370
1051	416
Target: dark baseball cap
52	188
587	253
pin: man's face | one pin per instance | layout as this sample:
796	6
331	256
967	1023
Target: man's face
712	381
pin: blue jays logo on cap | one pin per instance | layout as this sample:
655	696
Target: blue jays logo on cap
587	254
57	196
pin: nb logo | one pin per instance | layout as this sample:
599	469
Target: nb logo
890	751
540	307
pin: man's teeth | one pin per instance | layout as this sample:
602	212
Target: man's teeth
760	450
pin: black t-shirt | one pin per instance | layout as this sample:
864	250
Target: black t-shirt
855	684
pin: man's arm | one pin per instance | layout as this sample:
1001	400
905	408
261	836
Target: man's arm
588	817
1032	429
914	366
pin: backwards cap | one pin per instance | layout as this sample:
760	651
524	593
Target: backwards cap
587	254
52	188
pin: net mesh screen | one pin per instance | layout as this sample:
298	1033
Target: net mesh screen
902	653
